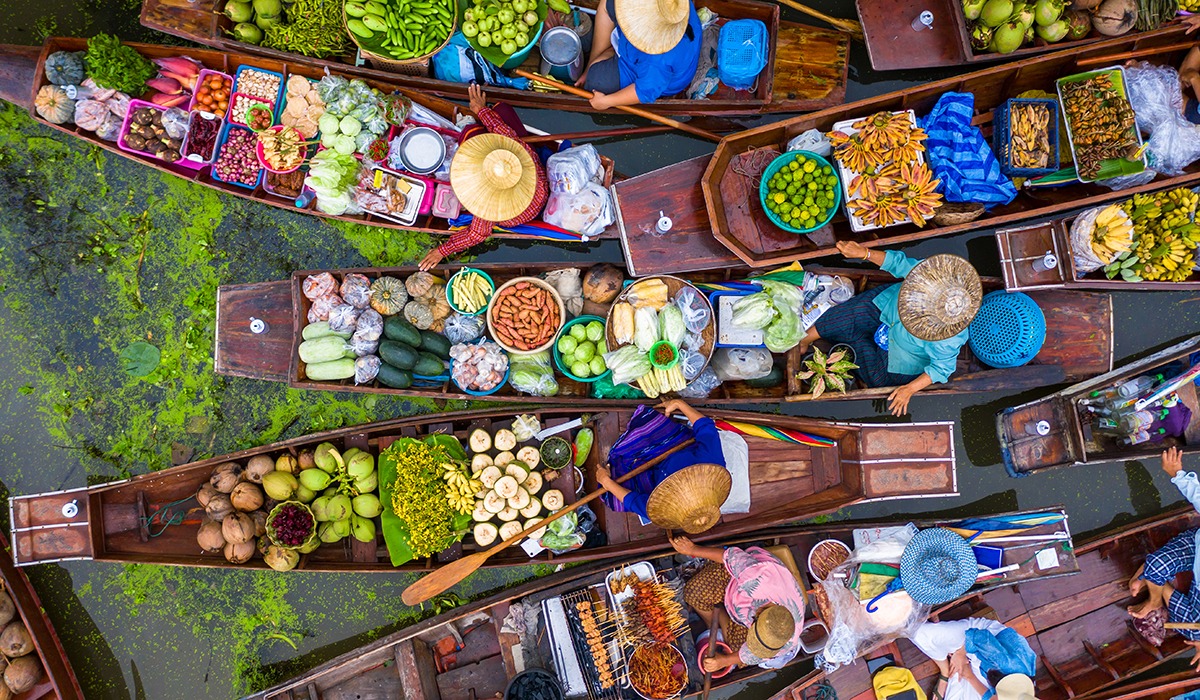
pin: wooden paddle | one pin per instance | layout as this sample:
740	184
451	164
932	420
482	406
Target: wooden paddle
711	651
1182	625
625	108
849	26
438	581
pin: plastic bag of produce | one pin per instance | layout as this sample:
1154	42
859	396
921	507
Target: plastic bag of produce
785	296
356	290
692	341
344	318
739	364
525	426
563	535
370	325
645	328
670	325
322	307
589	212
754	311
118	104
362	345
701	386
604	388
691	364
366	368
784	333
627	363
91	114
533	374
317	286
463	329
109	128
175	122
571	170
569	285
696	311
1085	259
1158	106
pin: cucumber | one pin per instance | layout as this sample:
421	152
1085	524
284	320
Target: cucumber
320	329
400	330
324	349
394	377
772	379
398	355
435	343
330	371
428	364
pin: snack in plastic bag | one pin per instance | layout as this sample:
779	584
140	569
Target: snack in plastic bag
754	311
344	318
1158	107
696	311
317	286
691	364
740	364
563	535
362	345
627	364
588	212
110	128
525	426
569	285
701	386
670	325
91	114
366	368
570	171
369	325
533	374
645	328
174	122
356	290
463	329
322	306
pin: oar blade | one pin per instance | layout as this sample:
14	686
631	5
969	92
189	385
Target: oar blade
442	579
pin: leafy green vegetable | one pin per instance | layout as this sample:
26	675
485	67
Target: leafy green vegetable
116	66
140	359
311	28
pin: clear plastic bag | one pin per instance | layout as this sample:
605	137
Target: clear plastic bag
463	329
369	325
317	286
1158	105
344	318
533	374
645	328
110	127
324	305
569	285
739	364
696	312
356	290
363	345
627	364
366	368
701	386
570	171
813	141
691	364
589	212
1081	242
670	325
91	114
692	341
175	122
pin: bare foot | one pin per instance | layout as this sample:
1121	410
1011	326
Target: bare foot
1147	607
1136	584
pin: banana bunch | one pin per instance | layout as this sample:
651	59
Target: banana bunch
1113	233
1165	237
460	489
1190	5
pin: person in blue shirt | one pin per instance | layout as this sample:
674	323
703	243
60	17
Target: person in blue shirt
705	450
904	335
642	50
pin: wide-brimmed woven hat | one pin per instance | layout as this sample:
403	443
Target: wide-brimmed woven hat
493	177
1015	686
690	499
939	297
653	26
937	566
773	627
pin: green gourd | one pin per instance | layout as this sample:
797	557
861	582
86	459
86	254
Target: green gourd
324	349
330	371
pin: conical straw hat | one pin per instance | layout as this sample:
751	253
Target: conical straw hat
690	499
774	626
493	177
939	297
653	26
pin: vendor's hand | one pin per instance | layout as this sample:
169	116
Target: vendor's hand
582	79
683	545
853	250
600	101
898	399
431	259
959	664
670	406
1195	660
1192	23
477	100
1172	461
714	664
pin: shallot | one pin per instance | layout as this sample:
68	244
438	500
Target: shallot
237	162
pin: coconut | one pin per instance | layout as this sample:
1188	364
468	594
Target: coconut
246	497
239	553
1008	37
219	507
368	484
367	505
310	545
996	12
363	529
1085	4
260	522
226	476
258	467
320	509
305	494
972	9
1080	23
7	610
327	533
602	283
1024	16
339	507
209	536
280	485
360	465
1054	32
23	674
1047	12
15	640
281	559
205	494
325	457
238	528
286	463
306	461
1115	17
315	479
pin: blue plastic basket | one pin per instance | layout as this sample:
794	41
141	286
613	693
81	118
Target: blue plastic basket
1008	331
222	137
498	387
741	53
1001	137
715	299
276	103
777	165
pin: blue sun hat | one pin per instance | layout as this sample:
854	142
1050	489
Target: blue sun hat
937	566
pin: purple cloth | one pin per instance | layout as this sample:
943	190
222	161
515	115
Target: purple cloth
705	450
1176	422
648	435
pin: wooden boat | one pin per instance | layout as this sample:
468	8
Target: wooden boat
110	522
807	66
15	68
1078	626
1071	439
893	45
1022	246
489	657
1078	344
718	220
1160	688
58	678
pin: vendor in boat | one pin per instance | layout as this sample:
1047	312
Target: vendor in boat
763	614
697	513
1157	576
642	50
496	177
905	335
1189	75
977	657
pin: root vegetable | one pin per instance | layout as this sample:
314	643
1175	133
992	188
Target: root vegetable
15	640
23	674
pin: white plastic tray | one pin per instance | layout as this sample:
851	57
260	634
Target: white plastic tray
644	571
847	175
413	201
729	334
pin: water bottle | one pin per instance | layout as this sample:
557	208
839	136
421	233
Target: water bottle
1142	436
1136	422
1137	385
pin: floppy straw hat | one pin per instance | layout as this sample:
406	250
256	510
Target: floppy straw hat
939	297
493	177
690	499
653	26
937	566
1015	686
773	627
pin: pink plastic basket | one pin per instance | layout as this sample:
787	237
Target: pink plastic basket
134	105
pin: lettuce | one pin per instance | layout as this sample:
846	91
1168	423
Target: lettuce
754	311
670	325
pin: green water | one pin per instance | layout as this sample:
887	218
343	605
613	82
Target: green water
97	252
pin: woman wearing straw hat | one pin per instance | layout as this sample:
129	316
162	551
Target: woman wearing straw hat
642	50
906	335
496	177
688	487
763	606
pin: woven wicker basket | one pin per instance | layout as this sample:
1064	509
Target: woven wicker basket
954	213
418	65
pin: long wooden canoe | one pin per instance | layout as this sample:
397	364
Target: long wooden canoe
1078	343
806	66
1071	439
893	45
58	680
788	483
491	657
718	220
16	68
1078	626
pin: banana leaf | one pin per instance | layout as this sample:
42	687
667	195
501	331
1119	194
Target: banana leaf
396	531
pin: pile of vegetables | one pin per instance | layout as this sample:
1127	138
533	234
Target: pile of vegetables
22	667
332	176
310	28
513	489
116	66
644	318
776	311
420	521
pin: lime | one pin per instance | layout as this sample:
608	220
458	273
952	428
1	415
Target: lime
779	197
